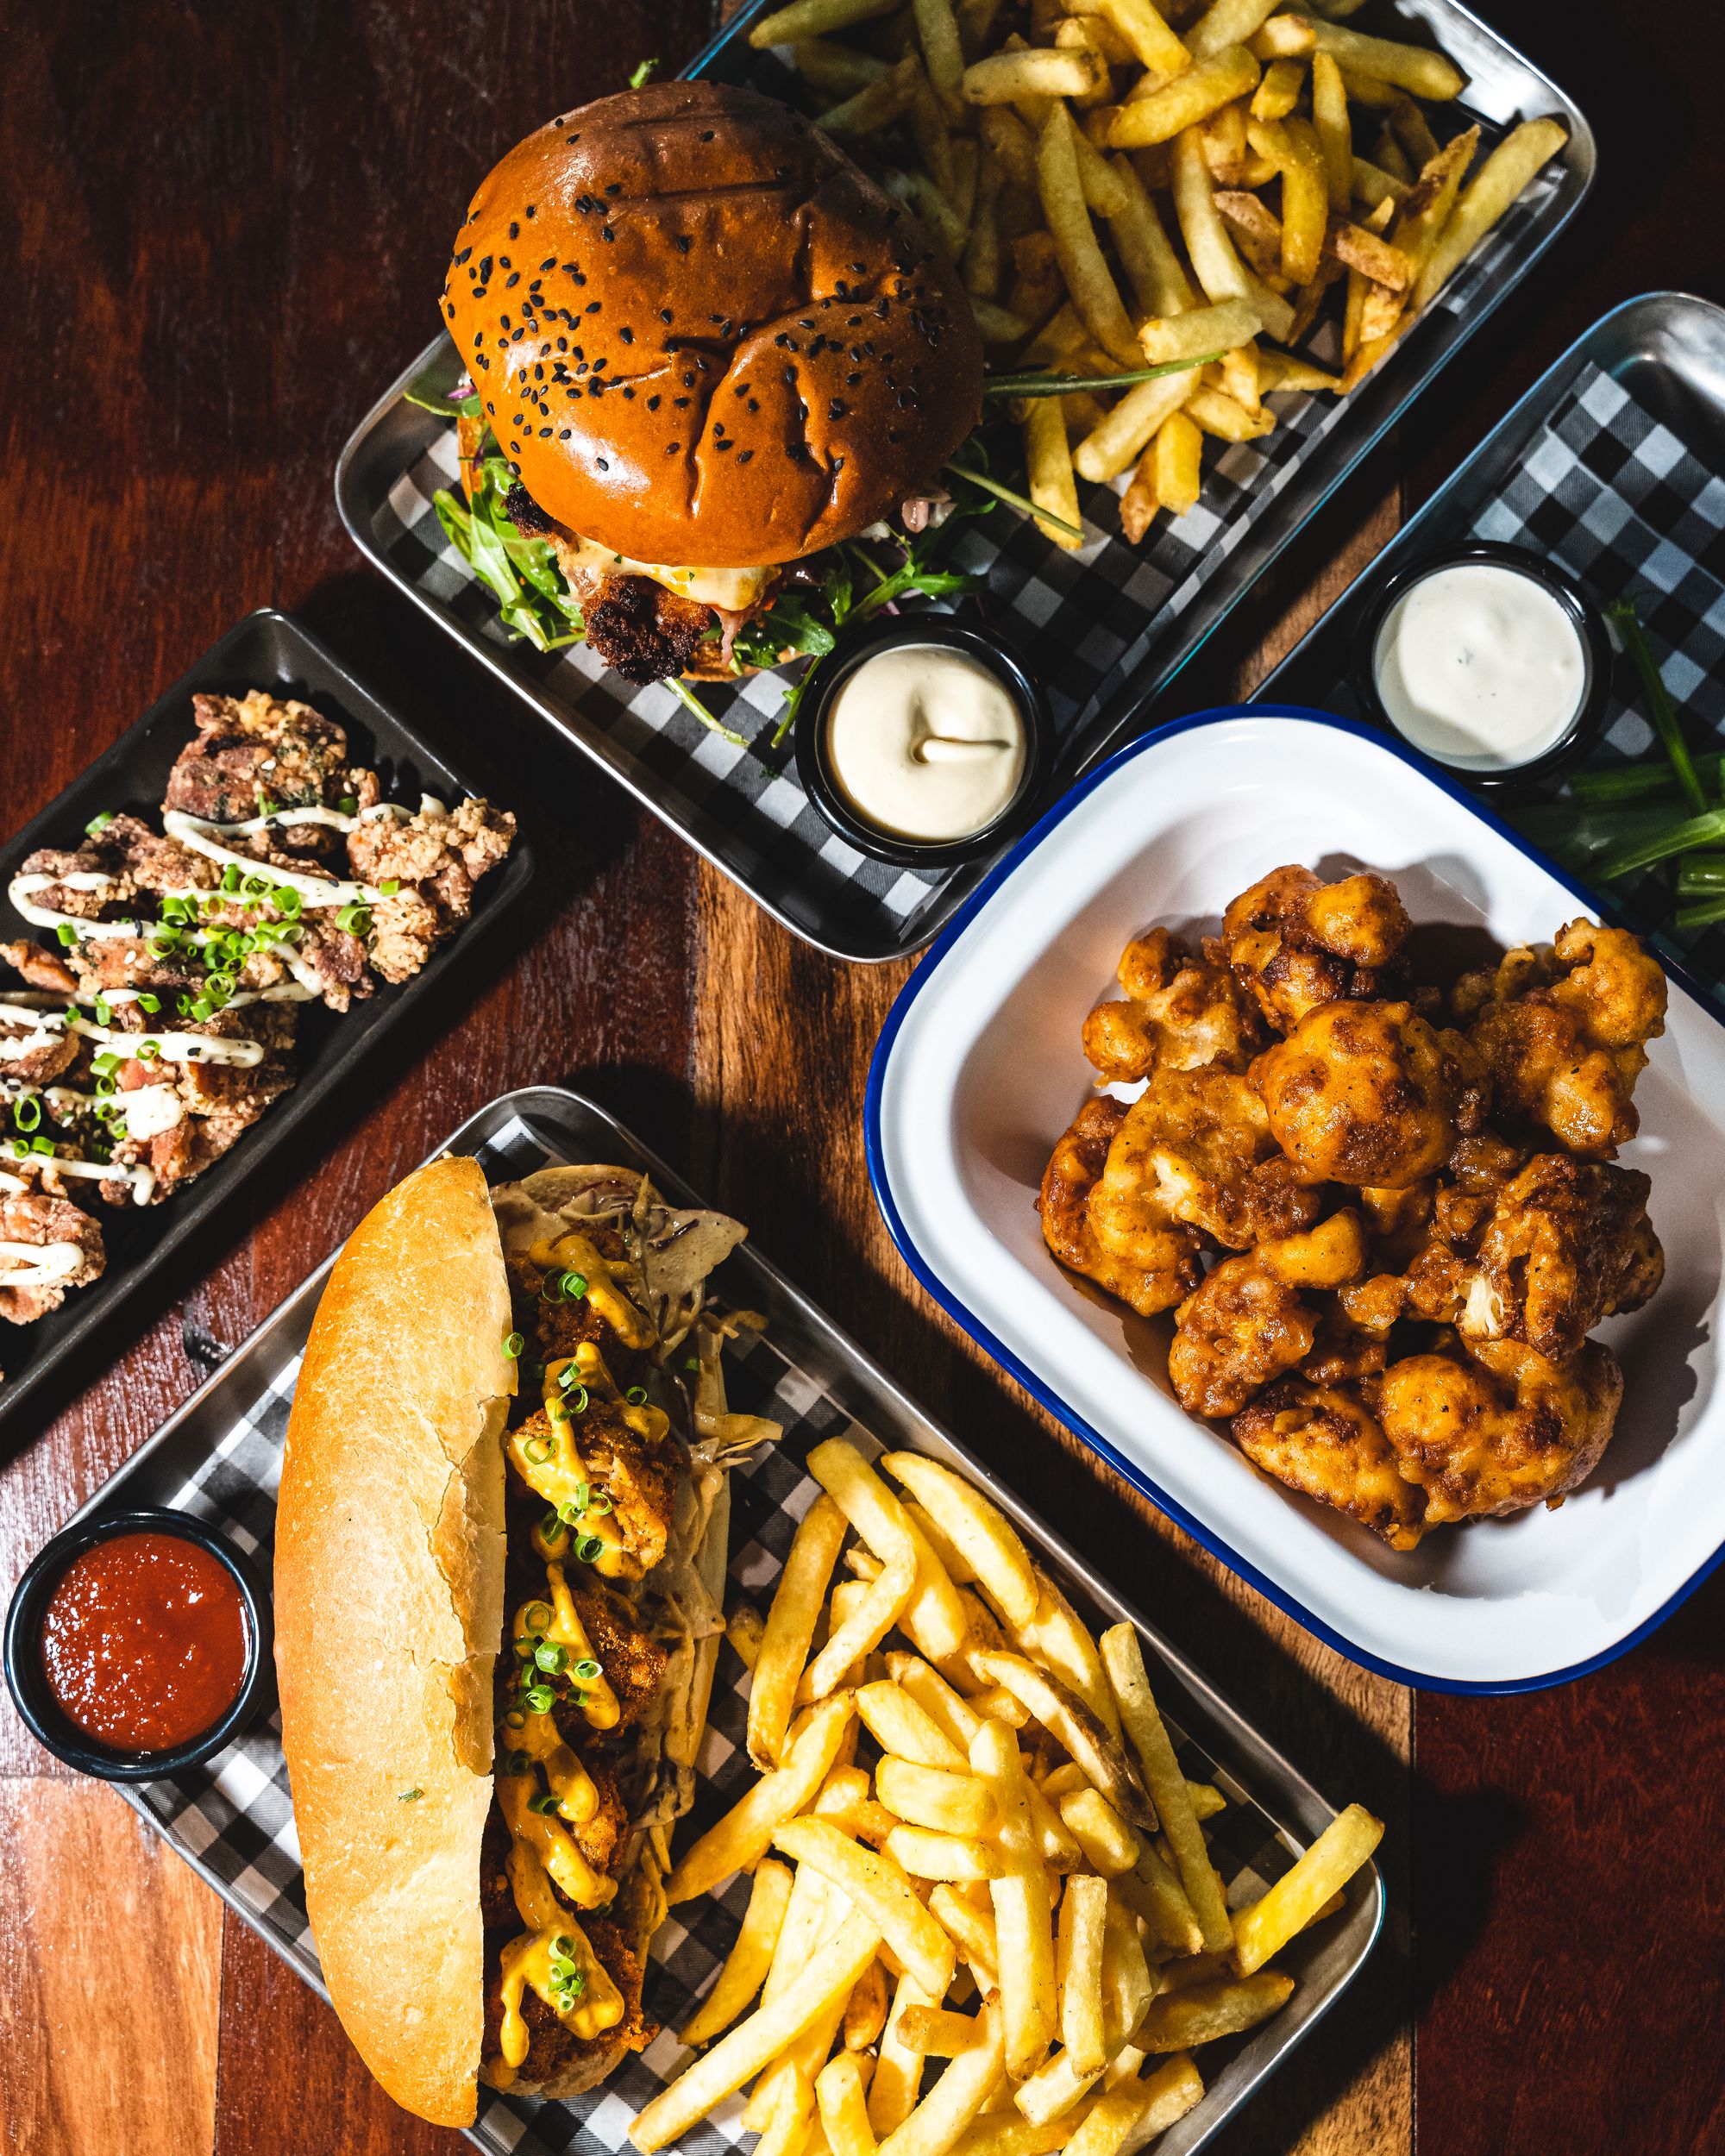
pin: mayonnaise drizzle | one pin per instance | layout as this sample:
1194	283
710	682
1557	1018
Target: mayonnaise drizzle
37	1264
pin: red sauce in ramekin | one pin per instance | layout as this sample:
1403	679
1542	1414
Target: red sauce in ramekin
144	1641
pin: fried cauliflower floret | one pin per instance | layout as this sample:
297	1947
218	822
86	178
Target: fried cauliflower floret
1162	1268
1367	1093
1248	1322
1195	1147
1179	1013
1568	1243
1295	942
1324	1441
1563	1028
1495	1427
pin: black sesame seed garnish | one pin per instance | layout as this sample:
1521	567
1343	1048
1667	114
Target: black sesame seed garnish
683	243
707	133
564	432
680	403
664	314
628	335
744	456
754	405
672	448
835	408
485	267
527	212
654	402
615	188
593	306
607	234
603	463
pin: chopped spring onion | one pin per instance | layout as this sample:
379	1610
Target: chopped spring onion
356	919
409	1796
550	1657
28	1114
637	1395
97	825
538	1448
536	1617
589	1548
586	1672
512	1344
540	1697
544	1801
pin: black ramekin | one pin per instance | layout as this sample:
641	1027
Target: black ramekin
814	768
28	1683
1590	714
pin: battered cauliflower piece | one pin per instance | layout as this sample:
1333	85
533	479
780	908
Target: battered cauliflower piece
1367	1093
1195	1147
1568	1243
1495	1427
1295	942
1163	1267
1324	1441
1180	1014
1248	1323
1562	1028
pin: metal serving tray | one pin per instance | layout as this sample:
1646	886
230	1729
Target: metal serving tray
1118	622
270	650
232	1821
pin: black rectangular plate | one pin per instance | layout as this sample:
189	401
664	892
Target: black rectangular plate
267	650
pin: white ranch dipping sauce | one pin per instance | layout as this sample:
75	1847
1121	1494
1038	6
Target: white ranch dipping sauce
1480	666
926	743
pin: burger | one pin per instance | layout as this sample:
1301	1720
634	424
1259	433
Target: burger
499	1554
703	351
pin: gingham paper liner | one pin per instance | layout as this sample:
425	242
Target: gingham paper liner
234	1815
1082	620
1609	493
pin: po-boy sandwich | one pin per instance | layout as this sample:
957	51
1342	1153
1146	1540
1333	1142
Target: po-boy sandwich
499	1556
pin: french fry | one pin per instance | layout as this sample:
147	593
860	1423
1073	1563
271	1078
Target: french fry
1294	1899
814	18
917	189
898	2069
746	1966
1104	194
1390	156
1175	2088
840	2091
878	104
1109	1846
1202	2012
937	2032
1408	67
1292	147
1087	280
1152	1889
1097	39
1179	477
1038	72
1060	1850
745	1833
1334	130
1278	92
942	54
1078	1966
1060	1640
934	2126
1254	228
976	23
865	2010
1110	2119
872	1882
836	70
1054	2091
743	1626
952	1714
1227	23
981	264
1068	1720
995	1704
1048	462
1226	418
1023	1918
753	2043
1188	98
1498	183
1414	132
1372	184
790	1628
1199	334
923	1853
1359	247
1285	370
1123	1658
900	1725
1224	143
1005	2134
1369	90
879	1518
1144	29
1127	1984
1153	270
931	1796
1219	268
1207	1799
971	1930
982	1534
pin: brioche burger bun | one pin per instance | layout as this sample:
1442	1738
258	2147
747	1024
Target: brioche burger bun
451	1899
708	344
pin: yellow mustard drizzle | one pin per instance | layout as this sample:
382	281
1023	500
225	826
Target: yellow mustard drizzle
552	1844
551	1935
575	1253
596	1701
568	1779
559	1477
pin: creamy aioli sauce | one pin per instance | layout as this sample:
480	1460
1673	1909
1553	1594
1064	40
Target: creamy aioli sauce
926	743
1480	666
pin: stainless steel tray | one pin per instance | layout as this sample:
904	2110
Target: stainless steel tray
230	1820
843	907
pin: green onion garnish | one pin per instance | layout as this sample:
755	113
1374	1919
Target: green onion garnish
587	1670
598	1502
540	1697
356	919
692	1364
637	1395
349	804
589	1548
537	1616
149	1004
409	1796
544	1801
550	1657
28	1113
512	1344
68	934
389	885
573	1285
97	825
538	1448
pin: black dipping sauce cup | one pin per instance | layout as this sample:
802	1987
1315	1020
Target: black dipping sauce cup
814	766
1596	641
27	1678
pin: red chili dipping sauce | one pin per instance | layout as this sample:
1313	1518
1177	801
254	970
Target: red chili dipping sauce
144	1642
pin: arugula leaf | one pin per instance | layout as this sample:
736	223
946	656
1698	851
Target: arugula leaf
521	572
423	391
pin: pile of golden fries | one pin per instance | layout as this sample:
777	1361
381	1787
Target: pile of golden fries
1019	1887
1055	147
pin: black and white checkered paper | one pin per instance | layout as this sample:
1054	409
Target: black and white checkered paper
1609	493
234	1816
1084	621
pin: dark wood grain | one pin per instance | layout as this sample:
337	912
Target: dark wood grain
225	223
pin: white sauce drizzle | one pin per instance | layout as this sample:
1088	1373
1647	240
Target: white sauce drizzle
37	1264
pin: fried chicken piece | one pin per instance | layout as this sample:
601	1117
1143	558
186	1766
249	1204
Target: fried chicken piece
1248	1322
637	1474
256	750
55	1237
1368	1093
436	857
632	1660
1195	1147
1568	1243
1324	1441
1563	1028
1164	1268
1494	1427
1295	943
31	1052
1180	1012
41	967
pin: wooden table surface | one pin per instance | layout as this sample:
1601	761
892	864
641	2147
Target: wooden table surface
226	226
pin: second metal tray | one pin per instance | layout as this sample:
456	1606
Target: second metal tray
232	1820
1108	627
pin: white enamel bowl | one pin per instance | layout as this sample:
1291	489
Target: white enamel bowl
978	1071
